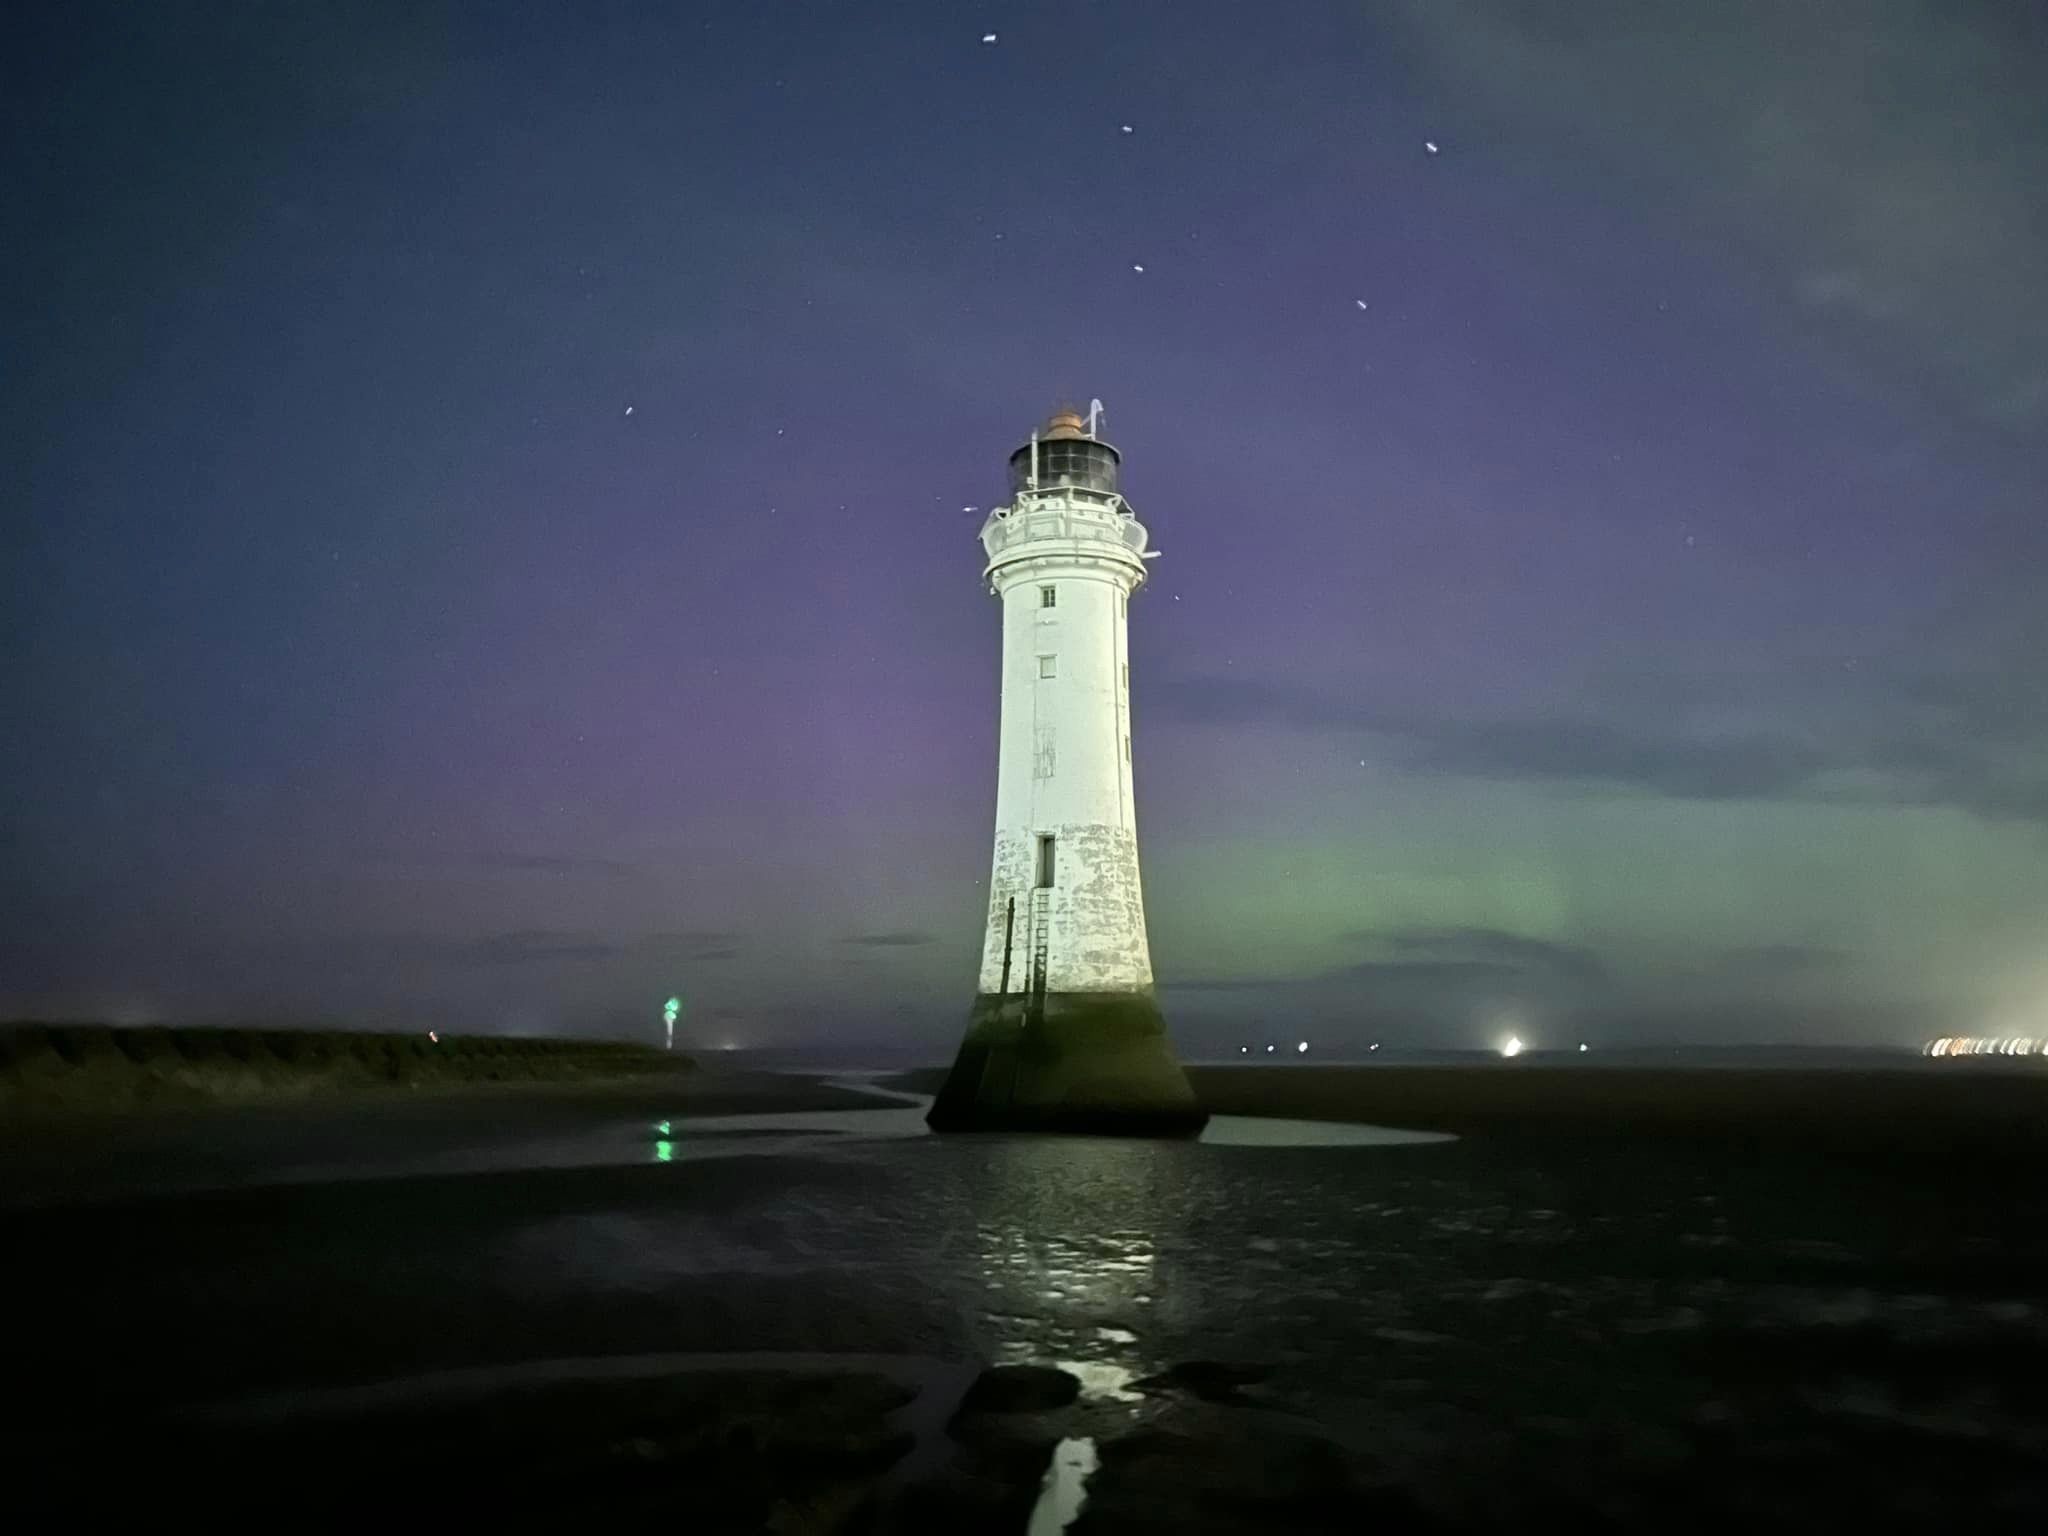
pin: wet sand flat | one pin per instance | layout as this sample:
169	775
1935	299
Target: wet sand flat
54	1161
1714	1324
1926	1106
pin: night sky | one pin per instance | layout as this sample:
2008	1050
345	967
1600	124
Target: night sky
490	499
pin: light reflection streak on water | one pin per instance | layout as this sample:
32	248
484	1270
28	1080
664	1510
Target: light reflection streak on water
1035	1283
1102	1382
1065	1489
1057	1290
1100	1269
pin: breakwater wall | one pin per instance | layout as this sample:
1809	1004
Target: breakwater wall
83	1068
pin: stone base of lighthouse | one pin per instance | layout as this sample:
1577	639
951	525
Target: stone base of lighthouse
1084	1063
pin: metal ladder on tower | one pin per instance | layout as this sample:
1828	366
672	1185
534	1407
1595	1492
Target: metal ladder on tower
1041	926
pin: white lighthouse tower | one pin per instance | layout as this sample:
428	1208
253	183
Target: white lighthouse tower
1066	1033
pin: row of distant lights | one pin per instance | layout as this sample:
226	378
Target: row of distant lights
1989	1045
1512	1046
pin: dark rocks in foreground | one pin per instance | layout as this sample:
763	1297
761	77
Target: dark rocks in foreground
999	1445
1242	1478
1192	1461
1213	1381
1021	1388
749	1449
825	1448
60	1069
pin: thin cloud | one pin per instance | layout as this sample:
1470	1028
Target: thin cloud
1778	962
1590	751
1493	947
698	944
1896	218
525	946
555	864
522	946
1420	966
902	939
1974	741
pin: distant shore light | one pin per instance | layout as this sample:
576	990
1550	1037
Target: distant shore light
1302	1048
1512	1046
1987	1045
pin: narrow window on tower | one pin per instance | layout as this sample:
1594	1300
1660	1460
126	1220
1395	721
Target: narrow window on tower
1048	666
1127	677
1042	767
1048	597
1127	749
1045	861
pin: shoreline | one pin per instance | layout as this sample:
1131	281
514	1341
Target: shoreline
1888	1107
54	1076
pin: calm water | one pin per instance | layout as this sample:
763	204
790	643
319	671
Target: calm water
1587	1314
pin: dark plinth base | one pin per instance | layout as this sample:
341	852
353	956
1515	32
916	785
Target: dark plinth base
1085	1063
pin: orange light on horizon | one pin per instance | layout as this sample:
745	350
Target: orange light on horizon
1987	1045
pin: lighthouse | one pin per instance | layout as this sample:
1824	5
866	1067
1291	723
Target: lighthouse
1065	1033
